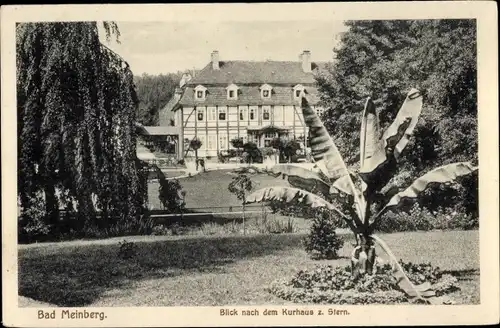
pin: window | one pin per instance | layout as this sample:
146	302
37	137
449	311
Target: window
200	114
232	91
252	114
200	92
319	111
265	114
211	142
253	138
297	90
268	137
265	91
222	142
212	115
242	114
203	144
222	114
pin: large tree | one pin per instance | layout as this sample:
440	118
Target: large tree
76	107
384	60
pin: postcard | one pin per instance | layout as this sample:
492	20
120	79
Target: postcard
272	164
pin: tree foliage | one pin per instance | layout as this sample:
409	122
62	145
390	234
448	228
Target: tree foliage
383	60
76	122
251	153
154	92
237	143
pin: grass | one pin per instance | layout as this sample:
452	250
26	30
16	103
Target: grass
211	270
209	189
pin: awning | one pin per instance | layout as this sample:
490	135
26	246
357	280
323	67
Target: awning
158	130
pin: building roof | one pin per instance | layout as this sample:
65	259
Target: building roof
245	72
247	95
166	114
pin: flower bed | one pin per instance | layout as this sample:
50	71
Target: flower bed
327	285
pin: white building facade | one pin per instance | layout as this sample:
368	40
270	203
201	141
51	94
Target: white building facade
255	101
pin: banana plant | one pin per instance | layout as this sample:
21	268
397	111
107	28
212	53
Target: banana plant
379	156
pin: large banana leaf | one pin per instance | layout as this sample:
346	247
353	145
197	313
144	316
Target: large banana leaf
326	153
370	142
442	174
411	109
343	184
288	195
323	149
375	170
421	292
299	177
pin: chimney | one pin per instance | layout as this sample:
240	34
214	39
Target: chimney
215	60
186	77
305	58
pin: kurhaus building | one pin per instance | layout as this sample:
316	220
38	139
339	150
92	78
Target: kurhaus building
256	101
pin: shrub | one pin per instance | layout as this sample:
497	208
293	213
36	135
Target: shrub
225	155
297	209
271	224
221	157
419	218
136	225
127	250
328	284
171	195
450	218
267	151
32	225
322	241
280	226
160	230
232	227
237	143
211	228
253	154
176	229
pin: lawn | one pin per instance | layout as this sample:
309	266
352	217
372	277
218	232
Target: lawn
211	270
208	191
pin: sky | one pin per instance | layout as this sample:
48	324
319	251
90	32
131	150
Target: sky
168	47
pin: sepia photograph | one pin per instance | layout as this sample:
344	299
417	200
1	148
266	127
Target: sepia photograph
268	168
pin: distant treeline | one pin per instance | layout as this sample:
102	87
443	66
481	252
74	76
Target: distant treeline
154	92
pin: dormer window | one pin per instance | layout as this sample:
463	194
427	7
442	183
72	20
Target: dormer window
232	92
200	92
297	91
265	91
